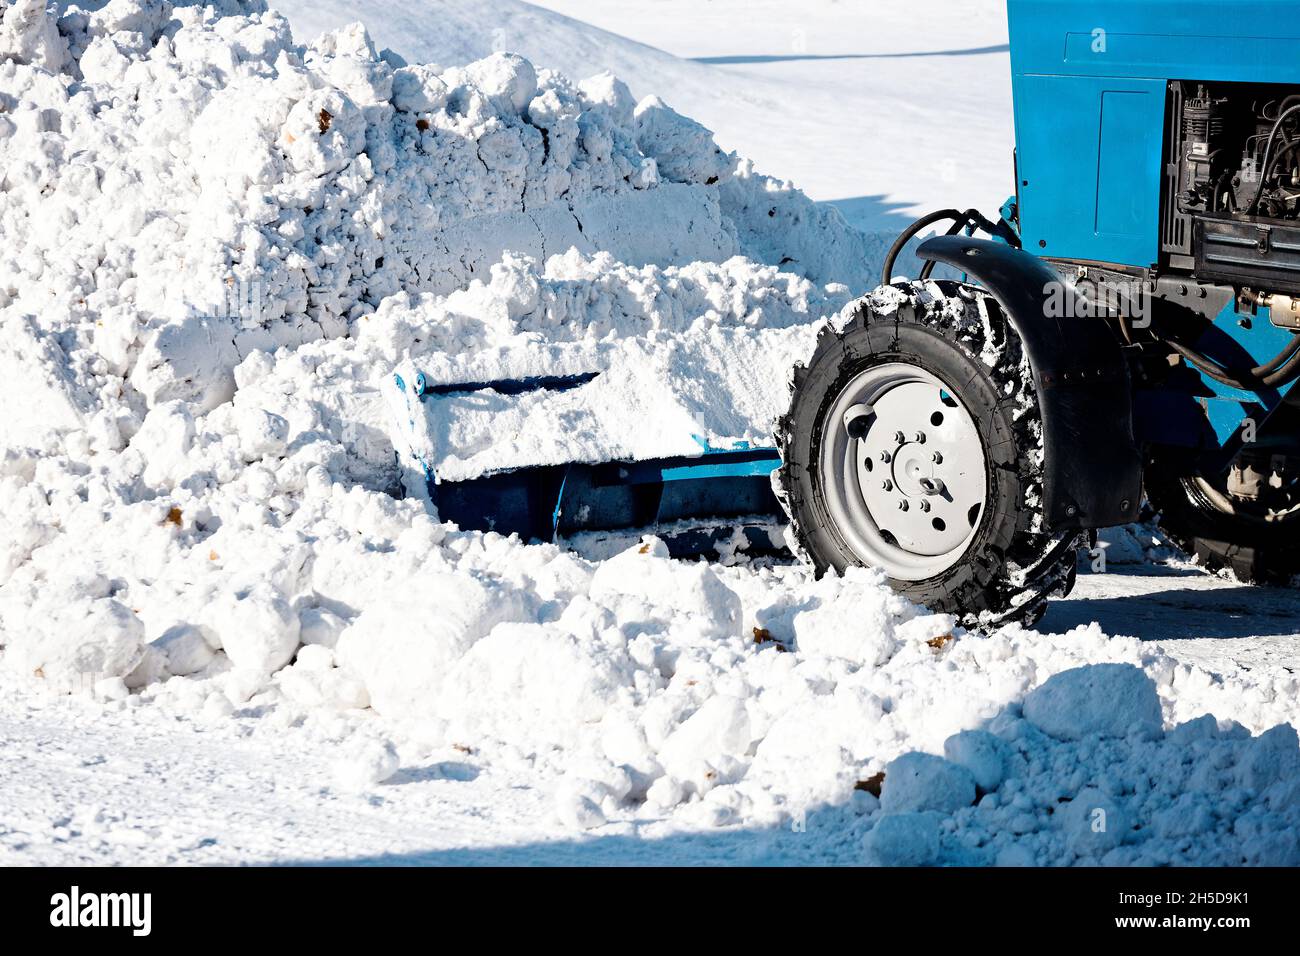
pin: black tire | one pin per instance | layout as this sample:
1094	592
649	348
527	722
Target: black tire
1190	510
960	335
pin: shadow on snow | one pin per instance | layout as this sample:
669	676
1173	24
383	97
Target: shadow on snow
794	57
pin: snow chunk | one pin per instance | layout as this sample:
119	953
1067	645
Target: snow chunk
1272	756
577	804
419	89
164	442
185	649
858	623
534	682
919	781
983	754
683	149
365	764
192	360
323	133
1103	700
79	645
314	681
257	628
404	649
262	434
608	93
29	33
506	77
719	729
645	574
904	839
321	626
1094	822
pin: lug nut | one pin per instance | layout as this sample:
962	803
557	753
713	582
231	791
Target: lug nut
902	506
937	458
920	438
925	505
899	438
885	457
887	485
932	486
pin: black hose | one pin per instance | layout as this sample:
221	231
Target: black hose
1280	370
1268	170
1285	374
928	269
1280	359
1253	208
971	218
1281	106
904	237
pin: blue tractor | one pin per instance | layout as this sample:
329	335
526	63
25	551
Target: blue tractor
1126	331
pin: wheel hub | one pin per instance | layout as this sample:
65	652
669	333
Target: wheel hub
904	471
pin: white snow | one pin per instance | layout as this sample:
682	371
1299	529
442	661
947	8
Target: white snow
685	355
1104	700
889	109
918	782
366	764
226	638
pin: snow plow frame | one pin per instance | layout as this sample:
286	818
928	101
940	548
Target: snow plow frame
728	489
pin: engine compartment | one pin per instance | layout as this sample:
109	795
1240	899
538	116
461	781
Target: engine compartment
1231	206
1239	151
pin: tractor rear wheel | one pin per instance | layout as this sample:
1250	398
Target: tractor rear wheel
1258	541
912	446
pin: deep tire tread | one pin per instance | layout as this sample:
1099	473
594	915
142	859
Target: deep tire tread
1012	568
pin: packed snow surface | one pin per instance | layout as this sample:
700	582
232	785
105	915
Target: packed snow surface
222	244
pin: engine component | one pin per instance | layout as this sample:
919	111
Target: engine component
1233	213
1202	125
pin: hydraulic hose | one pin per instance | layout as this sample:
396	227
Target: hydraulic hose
1265	165
1280	370
970	219
1280	359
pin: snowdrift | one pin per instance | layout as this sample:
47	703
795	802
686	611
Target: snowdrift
207	189
219	245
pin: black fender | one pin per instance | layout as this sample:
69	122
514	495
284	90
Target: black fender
1092	473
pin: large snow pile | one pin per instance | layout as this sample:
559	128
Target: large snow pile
206	189
196	501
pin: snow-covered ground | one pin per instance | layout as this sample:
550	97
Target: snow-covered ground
133	782
225	639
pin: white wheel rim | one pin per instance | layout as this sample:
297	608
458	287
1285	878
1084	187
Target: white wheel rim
903	471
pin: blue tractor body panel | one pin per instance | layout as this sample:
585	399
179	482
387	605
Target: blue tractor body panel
1229	340
1089	173
1089	80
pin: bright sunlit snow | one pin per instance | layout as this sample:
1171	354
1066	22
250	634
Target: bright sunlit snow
227	638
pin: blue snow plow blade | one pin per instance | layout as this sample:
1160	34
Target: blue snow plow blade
506	386
695	503
516	386
670	495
